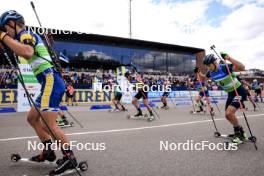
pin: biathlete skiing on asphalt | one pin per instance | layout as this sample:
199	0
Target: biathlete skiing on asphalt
219	73
28	45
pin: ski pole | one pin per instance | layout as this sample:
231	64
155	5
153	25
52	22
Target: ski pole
191	99
216	105
207	101
75	119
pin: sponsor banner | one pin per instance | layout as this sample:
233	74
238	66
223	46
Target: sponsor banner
31	84
97	86
10	96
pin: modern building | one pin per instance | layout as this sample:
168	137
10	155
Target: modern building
94	51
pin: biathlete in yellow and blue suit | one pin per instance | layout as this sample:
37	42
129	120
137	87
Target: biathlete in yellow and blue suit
30	46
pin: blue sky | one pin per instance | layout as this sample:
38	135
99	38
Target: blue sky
217	12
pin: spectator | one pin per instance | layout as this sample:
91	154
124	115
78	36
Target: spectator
69	94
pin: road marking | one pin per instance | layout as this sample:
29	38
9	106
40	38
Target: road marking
129	129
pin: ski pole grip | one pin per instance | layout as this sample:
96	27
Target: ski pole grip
32	4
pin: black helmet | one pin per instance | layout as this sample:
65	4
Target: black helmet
127	74
209	59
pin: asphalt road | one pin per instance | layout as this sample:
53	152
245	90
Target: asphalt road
137	147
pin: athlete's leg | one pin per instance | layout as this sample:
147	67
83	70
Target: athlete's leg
63	119
163	100
198	104
232	105
230	115
50	118
135	102
71	100
114	101
33	119
136	105
122	106
260	96
251	100
208	99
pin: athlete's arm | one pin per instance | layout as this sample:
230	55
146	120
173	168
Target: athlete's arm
247	84
203	76
237	66
20	49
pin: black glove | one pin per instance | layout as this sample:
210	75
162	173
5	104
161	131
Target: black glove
223	54
196	69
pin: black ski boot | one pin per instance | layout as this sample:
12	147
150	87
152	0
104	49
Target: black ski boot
151	116
139	114
239	135
46	155
66	163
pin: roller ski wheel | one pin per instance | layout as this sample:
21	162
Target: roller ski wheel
197	112
142	117
163	108
217	134
66	126
151	118
252	139
114	110
82	167
15	157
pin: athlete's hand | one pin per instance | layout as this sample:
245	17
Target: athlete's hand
196	69
225	55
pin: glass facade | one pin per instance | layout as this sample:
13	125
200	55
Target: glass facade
83	55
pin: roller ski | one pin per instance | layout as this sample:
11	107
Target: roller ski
47	161
251	110
198	112
68	165
151	117
163	107
198	109
138	116
62	168
117	110
236	138
64	123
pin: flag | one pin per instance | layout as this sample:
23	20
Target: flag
64	58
